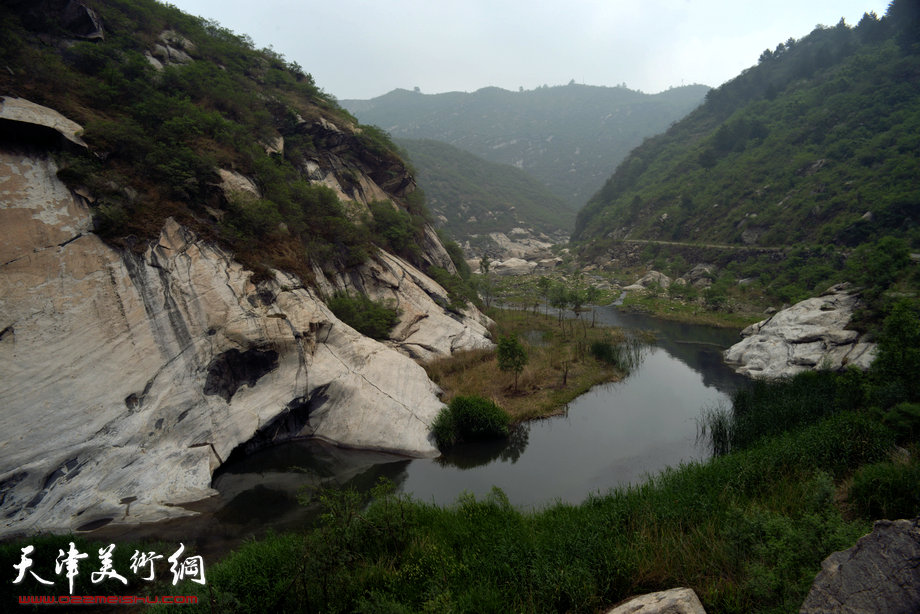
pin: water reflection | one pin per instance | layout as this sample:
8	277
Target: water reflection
475	454
612	435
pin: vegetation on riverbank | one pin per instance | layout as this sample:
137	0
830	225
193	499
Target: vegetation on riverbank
668	307
467	419
806	465
560	364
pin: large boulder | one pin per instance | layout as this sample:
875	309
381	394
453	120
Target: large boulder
650	280
428	328
513	267
811	334
38	122
881	573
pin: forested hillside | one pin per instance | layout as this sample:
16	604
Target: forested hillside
173	104
817	147
473	197
568	137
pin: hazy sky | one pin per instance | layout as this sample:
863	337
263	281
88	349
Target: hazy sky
365	48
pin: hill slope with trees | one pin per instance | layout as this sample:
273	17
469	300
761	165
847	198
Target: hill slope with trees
472	197
171	103
816	148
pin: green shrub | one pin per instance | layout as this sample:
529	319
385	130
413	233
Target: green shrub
459	290
396	230
372	318
469	418
887	490
904	421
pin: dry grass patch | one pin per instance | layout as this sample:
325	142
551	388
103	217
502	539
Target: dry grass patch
559	365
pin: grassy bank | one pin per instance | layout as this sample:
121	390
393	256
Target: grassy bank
677	310
746	531
729	307
560	364
804	466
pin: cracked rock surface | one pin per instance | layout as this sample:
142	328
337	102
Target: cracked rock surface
811	334
105	360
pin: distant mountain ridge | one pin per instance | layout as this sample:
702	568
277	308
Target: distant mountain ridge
568	137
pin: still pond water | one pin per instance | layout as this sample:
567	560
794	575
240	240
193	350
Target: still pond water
612	435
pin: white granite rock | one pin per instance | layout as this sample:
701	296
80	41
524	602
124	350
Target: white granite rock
808	335
26	112
674	601
114	366
650	279
513	266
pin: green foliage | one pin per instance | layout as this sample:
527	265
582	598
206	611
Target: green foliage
511	356
811	148
875	266
904	421
457	257
376	319
625	356
469	418
477	197
397	230
898	360
460	290
157	137
887	490
256	577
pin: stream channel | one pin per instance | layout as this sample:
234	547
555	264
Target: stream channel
613	435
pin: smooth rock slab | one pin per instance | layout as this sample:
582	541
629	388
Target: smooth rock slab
881	573
809	335
674	601
109	388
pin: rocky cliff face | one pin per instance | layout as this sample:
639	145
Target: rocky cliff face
130	377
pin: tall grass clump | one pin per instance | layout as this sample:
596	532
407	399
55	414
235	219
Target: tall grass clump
625	355
469	418
889	489
770	408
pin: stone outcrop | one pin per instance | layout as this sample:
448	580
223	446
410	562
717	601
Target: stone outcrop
650	279
674	601
881	573
171	48
71	19
134	375
427	327
40	122
513	267
811	334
